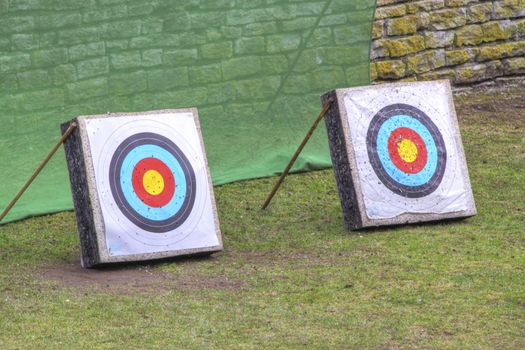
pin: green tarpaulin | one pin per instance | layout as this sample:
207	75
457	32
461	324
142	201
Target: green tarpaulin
254	69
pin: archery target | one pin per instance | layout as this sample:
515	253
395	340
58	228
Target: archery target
403	140
152	183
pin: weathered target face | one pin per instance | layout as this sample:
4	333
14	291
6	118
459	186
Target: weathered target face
152	182
404	152
154	196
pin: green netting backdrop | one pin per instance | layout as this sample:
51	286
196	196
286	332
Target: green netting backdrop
253	68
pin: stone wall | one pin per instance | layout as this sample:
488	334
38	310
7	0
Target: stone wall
466	41
254	69
155	53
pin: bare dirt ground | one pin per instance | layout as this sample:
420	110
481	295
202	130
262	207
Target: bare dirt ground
131	279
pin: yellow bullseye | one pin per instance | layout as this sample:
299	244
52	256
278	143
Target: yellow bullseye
153	182
407	150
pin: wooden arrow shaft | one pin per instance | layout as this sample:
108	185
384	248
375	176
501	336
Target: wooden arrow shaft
286	170
68	132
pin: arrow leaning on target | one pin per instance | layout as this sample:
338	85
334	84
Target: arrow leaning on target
38	170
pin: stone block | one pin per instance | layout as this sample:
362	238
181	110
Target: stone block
509	9
380	3
391	11
257	89
275	64
439	74
378	29
220	93
404	46
501	50
211	73
151	57
249	45
439	39
100	14
152	41
179	57
402	25
86	89
82	51
128	83
217	50
254	29
332	20
458	3
16	24
477	72
57	20
373	71
320	37
241	67
297	24
469	35
64	73
414	7
141	9
519	29
123	29
126	60
479	13
447	19
23	42
166	79
425	61
152	26
494	30
460	56
34	79
192	39
231	32
80	35
92	67
8	84
394	69
49	57
282	42
206	19
514	65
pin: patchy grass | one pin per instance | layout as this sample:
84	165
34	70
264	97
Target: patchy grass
292	277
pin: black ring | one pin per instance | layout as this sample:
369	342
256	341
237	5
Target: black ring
371	140
144	223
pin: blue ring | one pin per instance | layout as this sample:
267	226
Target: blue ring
126	171
400	176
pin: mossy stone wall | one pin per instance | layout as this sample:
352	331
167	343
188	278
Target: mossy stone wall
466	41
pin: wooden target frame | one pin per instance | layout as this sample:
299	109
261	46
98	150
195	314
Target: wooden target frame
141	187
397	154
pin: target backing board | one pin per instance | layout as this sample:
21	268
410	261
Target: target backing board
141	187
397	154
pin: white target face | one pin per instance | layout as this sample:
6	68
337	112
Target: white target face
152	183
405	149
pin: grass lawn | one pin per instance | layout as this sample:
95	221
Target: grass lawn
292	276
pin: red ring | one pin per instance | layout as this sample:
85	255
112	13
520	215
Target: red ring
162	198
397	136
